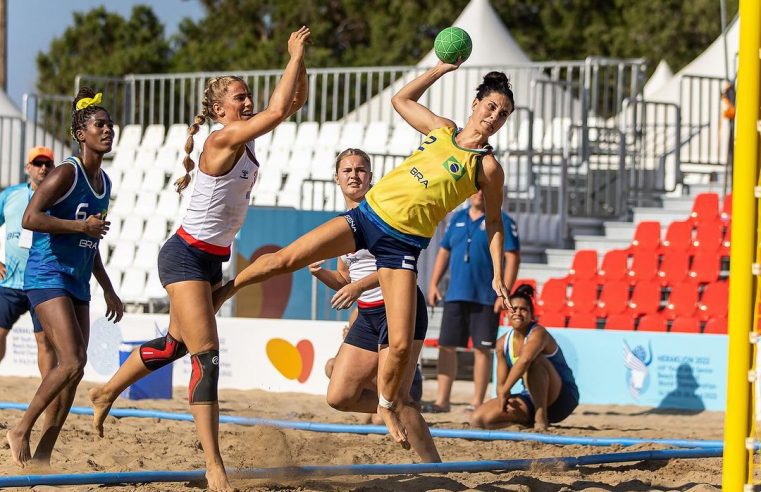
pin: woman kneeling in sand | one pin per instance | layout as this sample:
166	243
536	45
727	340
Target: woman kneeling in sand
527	351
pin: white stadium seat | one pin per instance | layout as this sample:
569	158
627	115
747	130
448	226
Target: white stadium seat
133	286
168	159
123	204
352	135
115	276
154	180
153	287
330	132
114	230
153	138
132	230
145	205
155	229
103	249
404	139
130	138
323	164
132	179
115	175
124	159
145	158
169	203
122	256
176	136
306	136
376	138
284	137
146	256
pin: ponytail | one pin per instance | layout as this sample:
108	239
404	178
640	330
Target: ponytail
187	162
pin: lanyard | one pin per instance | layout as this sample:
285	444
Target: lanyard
469	235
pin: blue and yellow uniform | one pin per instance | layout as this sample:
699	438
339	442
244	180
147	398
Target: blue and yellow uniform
61	264
13	300
409	202
567	400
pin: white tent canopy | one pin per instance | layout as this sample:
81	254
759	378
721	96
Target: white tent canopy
493	46
661	76
7	108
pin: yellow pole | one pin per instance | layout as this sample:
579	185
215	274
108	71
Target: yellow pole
737	415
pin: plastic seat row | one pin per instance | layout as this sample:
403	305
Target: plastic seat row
654	322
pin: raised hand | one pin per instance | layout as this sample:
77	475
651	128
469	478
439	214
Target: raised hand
297	42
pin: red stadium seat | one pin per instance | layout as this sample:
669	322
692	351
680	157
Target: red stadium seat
584	265
683	301
726	241
620	321
553	296
615	265
582	320
646	298
705	267
652	322
583	297
726	209
713	302
678	237
705	208
644	266
613	298
552	319
708	236
686	324
674	267
647	236
716	325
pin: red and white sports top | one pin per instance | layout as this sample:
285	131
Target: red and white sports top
361	264
218	204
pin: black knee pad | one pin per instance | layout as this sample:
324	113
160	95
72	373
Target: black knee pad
159	352
204	377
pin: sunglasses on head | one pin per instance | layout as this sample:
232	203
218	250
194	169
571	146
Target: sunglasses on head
42	162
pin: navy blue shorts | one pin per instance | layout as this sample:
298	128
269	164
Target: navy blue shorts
179	261
38	296
389	251
462	319
370	329
14	303
567	401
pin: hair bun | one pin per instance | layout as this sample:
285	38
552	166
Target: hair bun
495	78
525	289
83	92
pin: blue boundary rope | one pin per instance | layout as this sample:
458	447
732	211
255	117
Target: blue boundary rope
481	435
337	470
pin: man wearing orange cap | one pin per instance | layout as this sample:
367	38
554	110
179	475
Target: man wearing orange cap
13	300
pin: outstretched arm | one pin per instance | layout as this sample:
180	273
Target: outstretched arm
533	347
302	91
491	180
335	279
406	103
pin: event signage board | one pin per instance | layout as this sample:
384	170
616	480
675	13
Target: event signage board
662	370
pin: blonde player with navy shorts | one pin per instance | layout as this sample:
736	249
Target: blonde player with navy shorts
190	262
399	216
353	386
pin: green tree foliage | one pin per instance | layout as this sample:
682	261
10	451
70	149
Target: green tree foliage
252	34
103	43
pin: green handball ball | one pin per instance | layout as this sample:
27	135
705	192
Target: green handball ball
452	44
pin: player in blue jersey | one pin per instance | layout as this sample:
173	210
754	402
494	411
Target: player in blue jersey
13	299
67	214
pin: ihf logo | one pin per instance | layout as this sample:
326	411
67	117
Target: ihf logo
637	361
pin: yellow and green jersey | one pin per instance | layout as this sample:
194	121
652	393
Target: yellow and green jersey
440	175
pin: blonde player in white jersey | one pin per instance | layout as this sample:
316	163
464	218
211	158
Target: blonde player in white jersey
352	386
190	262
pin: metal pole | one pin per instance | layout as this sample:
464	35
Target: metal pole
745	173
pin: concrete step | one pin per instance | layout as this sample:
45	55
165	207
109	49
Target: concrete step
541	272
600	243
679	204
560	258
664	216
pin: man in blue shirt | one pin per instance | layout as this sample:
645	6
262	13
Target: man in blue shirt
13	299
471	307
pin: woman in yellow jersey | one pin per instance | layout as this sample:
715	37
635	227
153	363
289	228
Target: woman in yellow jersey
399	216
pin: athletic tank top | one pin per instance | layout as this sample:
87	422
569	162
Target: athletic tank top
218	204
415	196
65	261
557	359
361	264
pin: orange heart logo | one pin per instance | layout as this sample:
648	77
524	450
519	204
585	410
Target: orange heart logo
292	362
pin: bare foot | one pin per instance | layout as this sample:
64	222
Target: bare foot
101	404
220	295
395	428
20	451
540	427
217	479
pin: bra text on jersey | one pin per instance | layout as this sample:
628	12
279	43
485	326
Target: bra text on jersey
419	176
